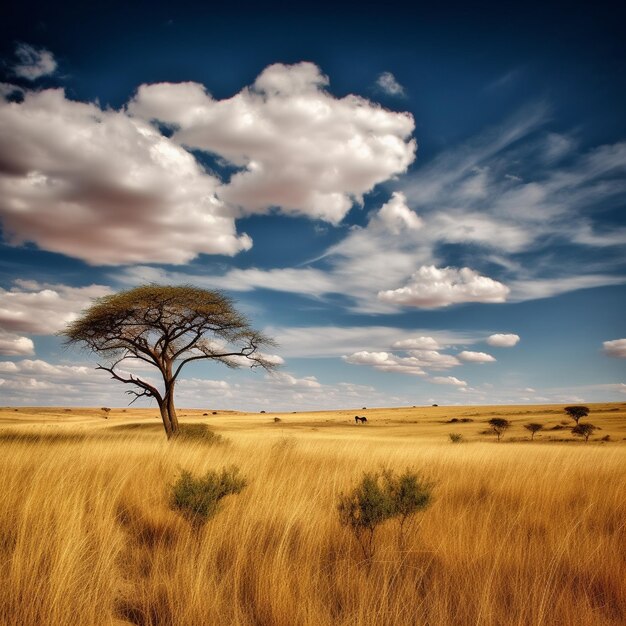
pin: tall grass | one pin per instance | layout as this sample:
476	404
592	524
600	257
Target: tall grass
518	534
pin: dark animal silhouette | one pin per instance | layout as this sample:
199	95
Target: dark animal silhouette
358	419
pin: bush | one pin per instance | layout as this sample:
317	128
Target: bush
408	495
456	438
277	419
363	509
198	498
378	497
198	432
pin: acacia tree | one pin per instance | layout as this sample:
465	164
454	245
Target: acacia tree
166	327
584	430
499	425
533	428
577	412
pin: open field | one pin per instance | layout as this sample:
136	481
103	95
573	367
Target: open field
520	532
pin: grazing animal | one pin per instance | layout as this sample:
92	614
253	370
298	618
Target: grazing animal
358	419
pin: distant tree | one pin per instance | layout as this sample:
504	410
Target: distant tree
577	412
584	430
499	425
533	428
167	328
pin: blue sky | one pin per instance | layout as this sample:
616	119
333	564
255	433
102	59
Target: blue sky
422	206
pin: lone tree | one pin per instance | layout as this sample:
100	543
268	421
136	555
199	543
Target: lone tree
584	430
577	412
166	327
499	425
533	428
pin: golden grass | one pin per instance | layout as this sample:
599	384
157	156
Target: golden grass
520	533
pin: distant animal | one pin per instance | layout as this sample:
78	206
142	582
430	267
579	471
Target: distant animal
358	419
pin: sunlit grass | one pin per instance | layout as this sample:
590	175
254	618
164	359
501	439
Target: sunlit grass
519	533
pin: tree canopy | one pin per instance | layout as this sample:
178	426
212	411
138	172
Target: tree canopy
499	425
577	412
167	327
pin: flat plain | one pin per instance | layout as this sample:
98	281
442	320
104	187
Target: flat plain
520	532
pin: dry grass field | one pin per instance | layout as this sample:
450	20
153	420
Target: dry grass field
519	533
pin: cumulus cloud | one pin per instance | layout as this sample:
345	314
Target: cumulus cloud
448	380
386	362
388	83
14	345
615	348
417	343
33	63
103	187
297	147
397	216
503	340
432	287
475	357
43	309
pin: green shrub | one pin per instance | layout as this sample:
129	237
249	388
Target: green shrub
364	508
381	496
456	438
198	498
198	432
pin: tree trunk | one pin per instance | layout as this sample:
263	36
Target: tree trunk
171	410
166	419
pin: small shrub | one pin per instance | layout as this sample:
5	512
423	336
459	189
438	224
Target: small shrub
262	411
454	420
378	497
466	420
277	419
204	414
213	412
408	495
456	438
198	432
364	508
198	498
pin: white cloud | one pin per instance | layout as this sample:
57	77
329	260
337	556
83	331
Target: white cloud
503	340
386	362
100	186
397	216
536	288
33	63
615	348
328	341
43	309
475	357
14	345
417	343
298	148
388	83
432	287
448	380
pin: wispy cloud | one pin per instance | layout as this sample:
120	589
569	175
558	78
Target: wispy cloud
388	83
33	63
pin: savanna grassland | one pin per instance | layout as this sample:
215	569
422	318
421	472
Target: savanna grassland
519	533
